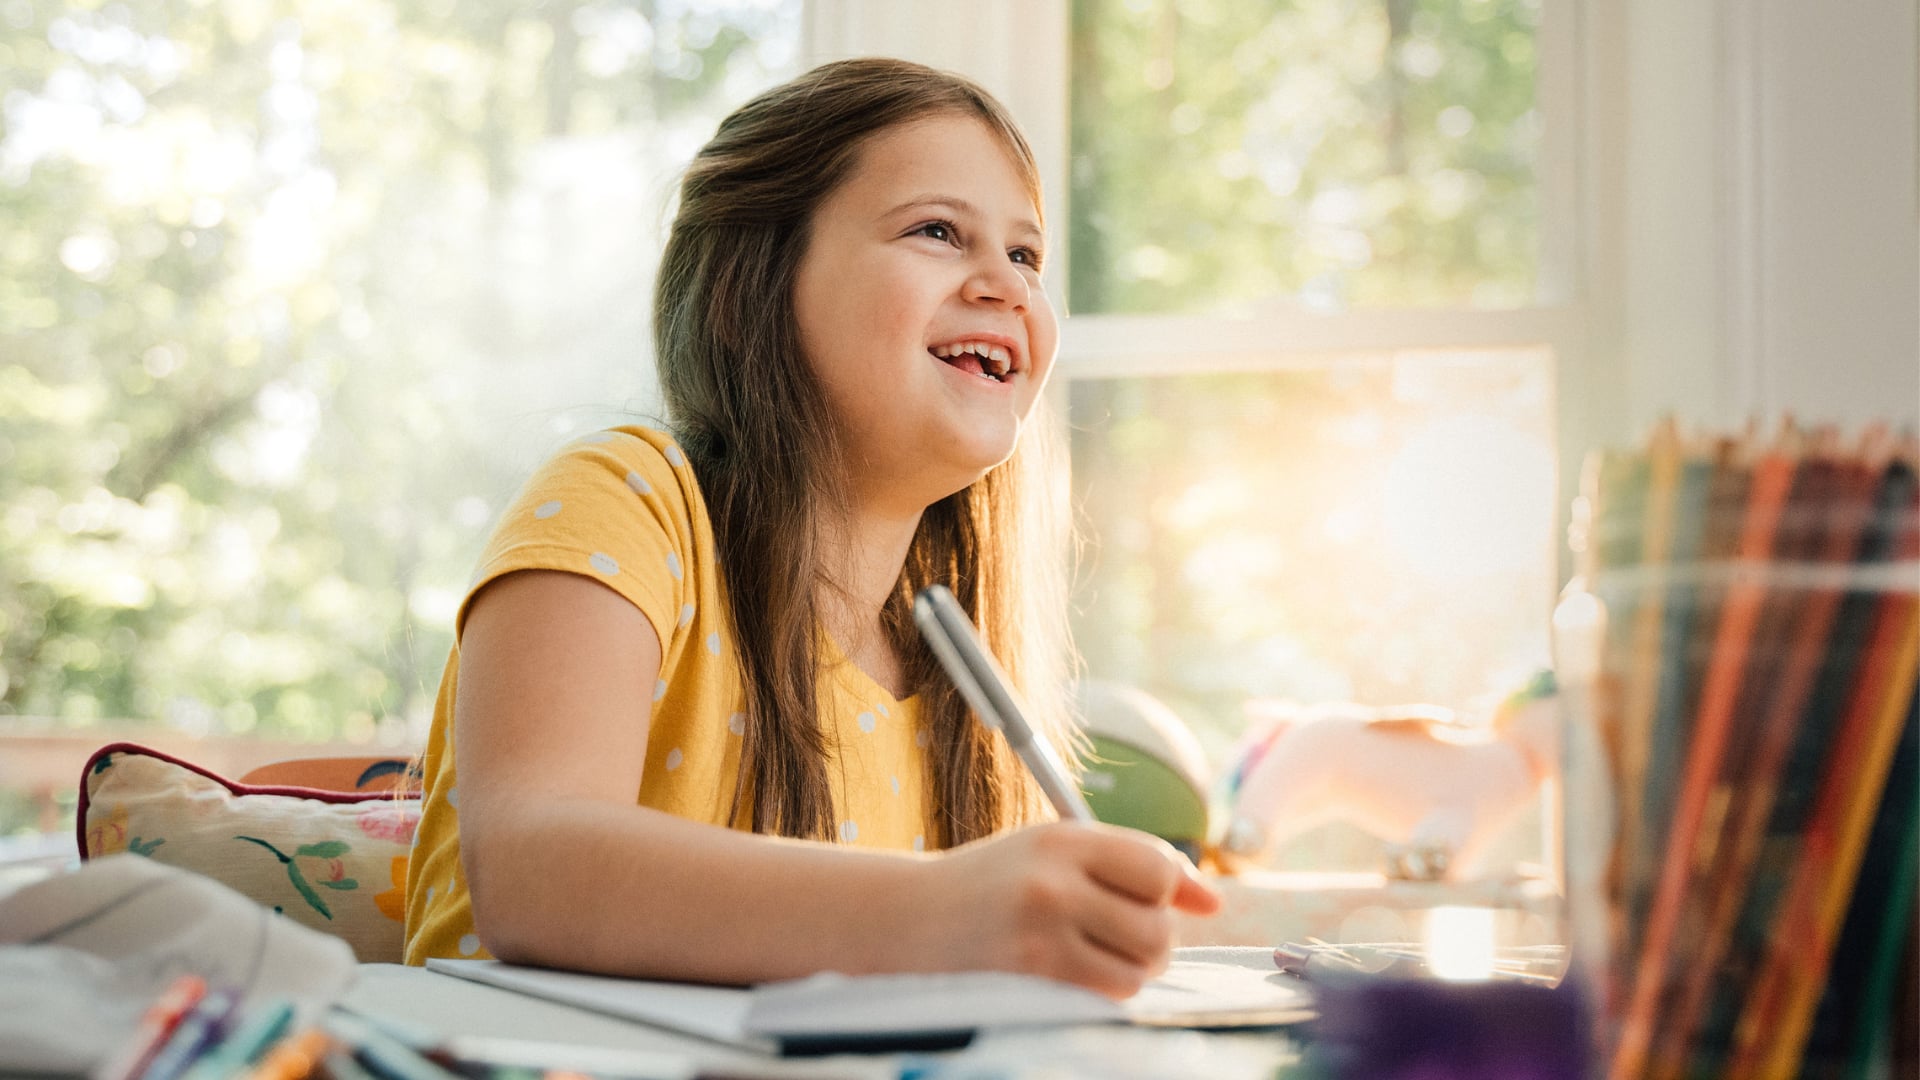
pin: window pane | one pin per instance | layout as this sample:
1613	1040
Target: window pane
291	297
1326	154
1377	531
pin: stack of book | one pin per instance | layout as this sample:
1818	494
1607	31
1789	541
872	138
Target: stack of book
1758	704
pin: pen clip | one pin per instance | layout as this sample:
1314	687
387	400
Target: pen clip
981	682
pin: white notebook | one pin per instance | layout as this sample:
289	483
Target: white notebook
1202	988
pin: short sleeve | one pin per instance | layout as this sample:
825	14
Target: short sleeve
615	507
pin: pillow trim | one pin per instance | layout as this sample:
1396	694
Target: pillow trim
233	787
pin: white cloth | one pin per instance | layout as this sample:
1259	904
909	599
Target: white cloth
83	954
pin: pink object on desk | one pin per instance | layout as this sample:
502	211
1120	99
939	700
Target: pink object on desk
1412	776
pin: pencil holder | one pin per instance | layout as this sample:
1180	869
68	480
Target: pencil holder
1755	698
1583	826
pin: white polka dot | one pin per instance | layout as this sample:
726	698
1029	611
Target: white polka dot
604	563
673	564
469	944
883	709
597	437
638	483
867	722
674	758
659	689
686	614
429	894
896	785
675	457
453	796
547	509
713	643
920	738
737	723
848	831
919	843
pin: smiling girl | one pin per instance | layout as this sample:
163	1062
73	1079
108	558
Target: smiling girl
688	730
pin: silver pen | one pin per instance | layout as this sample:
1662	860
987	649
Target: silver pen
951	636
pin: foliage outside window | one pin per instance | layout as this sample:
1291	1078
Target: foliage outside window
1230	156
294	296
1370	526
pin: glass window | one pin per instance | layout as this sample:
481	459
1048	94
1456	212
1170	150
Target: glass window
1376	531
1354	524
291	298
1326	155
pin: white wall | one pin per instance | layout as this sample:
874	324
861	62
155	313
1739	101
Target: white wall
1016	49
1768	256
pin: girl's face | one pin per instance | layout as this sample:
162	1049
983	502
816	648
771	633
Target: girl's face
921	312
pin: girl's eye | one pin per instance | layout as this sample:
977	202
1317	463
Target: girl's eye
942	231
1025	257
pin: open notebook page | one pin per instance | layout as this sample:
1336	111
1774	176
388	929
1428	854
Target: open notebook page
1226	988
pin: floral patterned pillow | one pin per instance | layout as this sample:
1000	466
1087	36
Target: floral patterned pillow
334	861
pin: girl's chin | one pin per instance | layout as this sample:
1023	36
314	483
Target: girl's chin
961	464
985	447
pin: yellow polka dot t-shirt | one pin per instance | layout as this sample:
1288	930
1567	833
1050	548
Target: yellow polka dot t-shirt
622	508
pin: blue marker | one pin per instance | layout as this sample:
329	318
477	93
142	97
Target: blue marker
197	1032
251	1037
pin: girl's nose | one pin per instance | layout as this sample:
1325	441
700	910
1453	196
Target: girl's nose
996	279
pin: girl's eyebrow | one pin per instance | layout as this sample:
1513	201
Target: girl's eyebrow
1028	228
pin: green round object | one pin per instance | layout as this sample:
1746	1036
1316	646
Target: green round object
1128	786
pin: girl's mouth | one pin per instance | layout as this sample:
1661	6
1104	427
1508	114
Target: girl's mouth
990	362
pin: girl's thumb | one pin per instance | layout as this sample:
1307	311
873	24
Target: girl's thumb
1193	895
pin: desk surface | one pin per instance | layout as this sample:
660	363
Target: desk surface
447	1006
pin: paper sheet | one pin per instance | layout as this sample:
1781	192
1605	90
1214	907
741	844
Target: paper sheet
1202	988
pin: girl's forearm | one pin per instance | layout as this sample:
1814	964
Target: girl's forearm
595	886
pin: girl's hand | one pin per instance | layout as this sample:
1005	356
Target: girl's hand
1086	904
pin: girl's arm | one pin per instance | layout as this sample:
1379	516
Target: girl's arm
550	734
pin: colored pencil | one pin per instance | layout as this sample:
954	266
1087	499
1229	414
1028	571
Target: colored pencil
294	1057
197	1031
155	1028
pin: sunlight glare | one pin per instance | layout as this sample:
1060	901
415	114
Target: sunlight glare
1469	496
1460	943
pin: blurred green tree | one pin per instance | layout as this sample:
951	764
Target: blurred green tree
1326	154
273	275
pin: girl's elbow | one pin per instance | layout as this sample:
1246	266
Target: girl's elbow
503	941
507	917
513	929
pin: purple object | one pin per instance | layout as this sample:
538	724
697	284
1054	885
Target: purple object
1427	1029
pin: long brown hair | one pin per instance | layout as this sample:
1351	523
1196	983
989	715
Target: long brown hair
759	434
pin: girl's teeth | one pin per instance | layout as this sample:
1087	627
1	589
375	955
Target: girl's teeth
985	352
995	362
